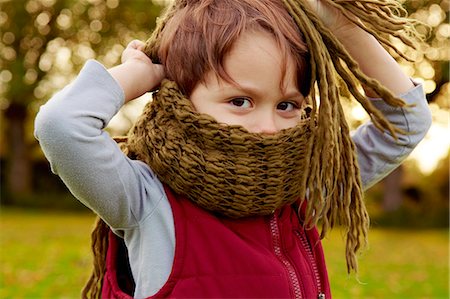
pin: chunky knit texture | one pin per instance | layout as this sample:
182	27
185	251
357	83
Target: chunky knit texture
234	173
224	169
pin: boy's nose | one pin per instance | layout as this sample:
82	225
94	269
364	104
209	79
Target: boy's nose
266	125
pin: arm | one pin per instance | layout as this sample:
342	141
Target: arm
70	131
378	152
374	61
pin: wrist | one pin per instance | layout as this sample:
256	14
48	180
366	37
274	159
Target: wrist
129	75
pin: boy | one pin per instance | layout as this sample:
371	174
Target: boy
245	65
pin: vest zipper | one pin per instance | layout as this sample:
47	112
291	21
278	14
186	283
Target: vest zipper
294	281
312	262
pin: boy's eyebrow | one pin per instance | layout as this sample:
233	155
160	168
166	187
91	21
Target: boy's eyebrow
249	89
255	91
293	94
235	86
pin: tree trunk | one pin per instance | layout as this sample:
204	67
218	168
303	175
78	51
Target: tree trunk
18	164
392	197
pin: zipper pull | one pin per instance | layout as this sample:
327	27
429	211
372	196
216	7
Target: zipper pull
321	296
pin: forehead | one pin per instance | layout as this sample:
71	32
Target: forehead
254	67
256	59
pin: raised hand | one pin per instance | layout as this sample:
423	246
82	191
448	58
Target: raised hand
137	74
334	19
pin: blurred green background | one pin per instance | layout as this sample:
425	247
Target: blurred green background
44	231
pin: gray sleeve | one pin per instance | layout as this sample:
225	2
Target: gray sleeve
378	152
69	128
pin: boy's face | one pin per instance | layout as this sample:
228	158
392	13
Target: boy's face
257	102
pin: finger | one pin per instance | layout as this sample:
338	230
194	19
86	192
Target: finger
158	74
136	44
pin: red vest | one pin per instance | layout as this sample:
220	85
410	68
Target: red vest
215	257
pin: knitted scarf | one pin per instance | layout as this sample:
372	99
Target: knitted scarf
224	169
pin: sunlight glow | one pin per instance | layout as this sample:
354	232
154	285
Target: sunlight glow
432	149
129	113
358	113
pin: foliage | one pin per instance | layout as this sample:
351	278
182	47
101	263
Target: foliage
45	42
47	255
432	61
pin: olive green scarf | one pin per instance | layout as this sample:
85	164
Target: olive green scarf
224	169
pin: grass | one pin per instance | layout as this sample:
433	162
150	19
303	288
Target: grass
47	255
397	264
44	254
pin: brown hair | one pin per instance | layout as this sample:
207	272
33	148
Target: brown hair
198	36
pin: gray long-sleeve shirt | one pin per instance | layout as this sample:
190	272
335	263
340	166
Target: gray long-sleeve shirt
128	195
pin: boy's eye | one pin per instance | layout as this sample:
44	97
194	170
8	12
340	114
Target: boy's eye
287	106
241	102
